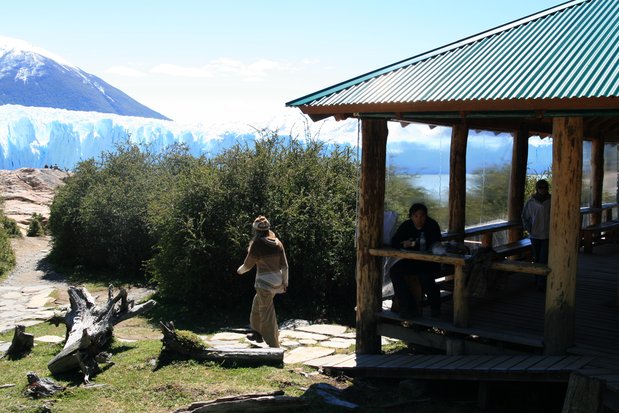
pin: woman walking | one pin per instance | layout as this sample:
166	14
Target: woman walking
266	252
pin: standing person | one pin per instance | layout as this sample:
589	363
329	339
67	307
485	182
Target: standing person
411	235
266	252
536	221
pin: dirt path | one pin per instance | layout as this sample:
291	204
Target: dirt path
26	296
33	291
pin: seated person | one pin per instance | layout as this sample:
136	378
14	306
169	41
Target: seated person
407	236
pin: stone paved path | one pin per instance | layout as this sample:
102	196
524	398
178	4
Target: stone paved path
25	297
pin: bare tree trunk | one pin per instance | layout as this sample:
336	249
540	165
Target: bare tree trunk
89	329
173	344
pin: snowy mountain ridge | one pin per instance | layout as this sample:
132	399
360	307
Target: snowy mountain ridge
31	76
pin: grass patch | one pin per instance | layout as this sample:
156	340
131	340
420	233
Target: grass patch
133	385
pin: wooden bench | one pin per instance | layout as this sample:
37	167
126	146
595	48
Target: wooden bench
511	249
514	248
485	232
602	233
460	295
446	275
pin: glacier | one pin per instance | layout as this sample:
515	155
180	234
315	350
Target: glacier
35	137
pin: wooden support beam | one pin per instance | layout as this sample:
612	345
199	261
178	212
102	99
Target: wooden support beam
584	394
457	178
461	299
564	234
597	178
517	180
369	233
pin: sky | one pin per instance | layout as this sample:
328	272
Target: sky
205	62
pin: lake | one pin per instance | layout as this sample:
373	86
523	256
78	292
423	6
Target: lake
437	185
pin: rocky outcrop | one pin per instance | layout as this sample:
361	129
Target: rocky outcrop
29	190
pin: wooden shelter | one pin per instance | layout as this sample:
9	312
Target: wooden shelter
553	73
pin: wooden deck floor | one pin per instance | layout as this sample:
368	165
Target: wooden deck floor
512	316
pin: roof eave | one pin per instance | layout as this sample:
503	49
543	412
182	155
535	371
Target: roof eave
490	108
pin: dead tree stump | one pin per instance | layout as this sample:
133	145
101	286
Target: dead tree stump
22	342
89	329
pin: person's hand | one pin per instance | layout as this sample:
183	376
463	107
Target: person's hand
408	243
285	287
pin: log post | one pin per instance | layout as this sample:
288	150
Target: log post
517	180
461	298
486	239
369	233
457	216
584	394
457	179
597	178
564	234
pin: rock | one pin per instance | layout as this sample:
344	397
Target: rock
302	354
29	190
326	329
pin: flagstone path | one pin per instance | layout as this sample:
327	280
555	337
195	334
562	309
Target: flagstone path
32	292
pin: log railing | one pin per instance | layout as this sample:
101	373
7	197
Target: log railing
485	231
605	209
592	226
460	294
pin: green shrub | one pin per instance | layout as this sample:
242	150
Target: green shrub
10	226
7	256
307	191
36	228
99	218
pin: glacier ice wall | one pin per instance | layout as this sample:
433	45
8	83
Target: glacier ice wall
35	137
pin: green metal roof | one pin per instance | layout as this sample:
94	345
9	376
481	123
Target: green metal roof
567	52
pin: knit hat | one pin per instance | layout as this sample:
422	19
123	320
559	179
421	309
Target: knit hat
261	223
542	183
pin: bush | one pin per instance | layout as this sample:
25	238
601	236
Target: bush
307	191
10	226
7	256
99	218
187	221
36	228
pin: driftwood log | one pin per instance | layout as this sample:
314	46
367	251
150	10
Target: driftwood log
89	329
175	343
22	342
266	402
41	387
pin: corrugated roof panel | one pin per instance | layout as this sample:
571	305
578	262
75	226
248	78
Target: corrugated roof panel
568	51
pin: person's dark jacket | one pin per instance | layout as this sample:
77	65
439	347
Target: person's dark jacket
407	231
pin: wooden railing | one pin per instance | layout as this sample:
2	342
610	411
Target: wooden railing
606	209
591	234
460	294
485	231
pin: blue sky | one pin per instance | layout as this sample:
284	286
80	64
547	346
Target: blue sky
201	61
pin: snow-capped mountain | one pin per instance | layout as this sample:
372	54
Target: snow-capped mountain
30	76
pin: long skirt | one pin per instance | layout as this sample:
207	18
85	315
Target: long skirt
263	318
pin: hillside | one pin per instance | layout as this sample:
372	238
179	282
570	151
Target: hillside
29	190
